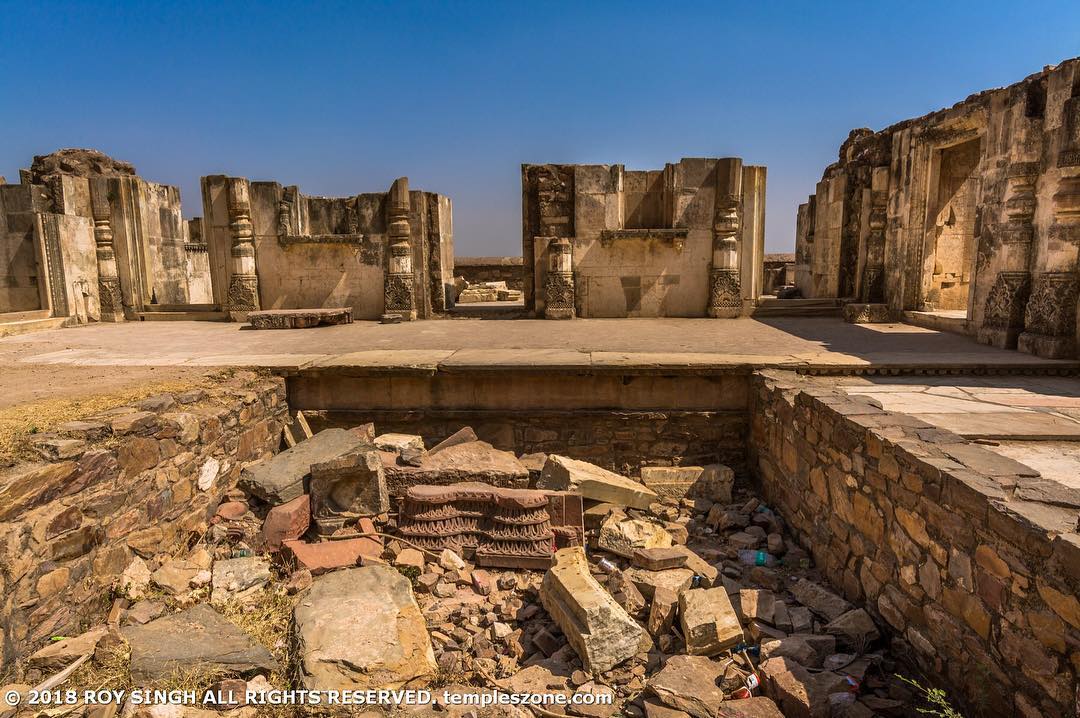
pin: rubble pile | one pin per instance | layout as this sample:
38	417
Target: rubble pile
484	292
669	595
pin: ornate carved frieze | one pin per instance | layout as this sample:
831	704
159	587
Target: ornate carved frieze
559	293
399	294
1050	317
675	237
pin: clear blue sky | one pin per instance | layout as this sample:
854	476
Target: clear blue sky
341	98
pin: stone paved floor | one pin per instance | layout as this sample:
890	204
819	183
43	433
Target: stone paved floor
1033	420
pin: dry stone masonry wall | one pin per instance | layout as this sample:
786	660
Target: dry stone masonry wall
972	565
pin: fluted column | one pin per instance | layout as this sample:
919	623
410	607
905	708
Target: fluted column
109	296
244	281
559	295
399	292
725	294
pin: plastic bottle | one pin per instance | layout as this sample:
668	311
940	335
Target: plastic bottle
756	558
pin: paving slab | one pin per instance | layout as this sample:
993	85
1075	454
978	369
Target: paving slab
1033	426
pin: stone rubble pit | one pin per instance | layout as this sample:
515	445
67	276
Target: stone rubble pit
668	594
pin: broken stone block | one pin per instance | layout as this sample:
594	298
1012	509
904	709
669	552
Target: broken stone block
792	647
708	573
823	644
410	557
600	631
59	655
820	600
475	461
347	488
688	684
144	612
673	579
135	580
566	510
662	610
286	522
283	477
238	577
361	629
328	555
854	630
299	318
196	636
464	435
623	536
712	482
709	622
561	473
793	689
756	707
175	576
450	561
396	443
802	621
658	559
625	593
757	604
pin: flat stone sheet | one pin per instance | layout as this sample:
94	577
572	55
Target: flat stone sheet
1033	426
196	636
281	478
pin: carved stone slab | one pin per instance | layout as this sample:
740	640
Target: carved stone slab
299	318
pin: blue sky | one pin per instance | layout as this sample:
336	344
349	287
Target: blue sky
341	98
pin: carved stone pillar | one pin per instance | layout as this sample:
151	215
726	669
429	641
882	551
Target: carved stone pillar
109	296
1003	313
725	293
559	296
871	307
243	281
399	291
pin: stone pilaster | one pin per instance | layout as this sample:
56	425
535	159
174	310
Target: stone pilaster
871	307
1004	311
399	291
109	296
243	281
559	294
725	293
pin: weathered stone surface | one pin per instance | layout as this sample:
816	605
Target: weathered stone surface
397	443
283	477
688	684
712	482
706	571
237	577
623	536
347	488
793	689
286	522
464	435
175	576
361	629
662	609
820	600
676	580
135	580
561	473
599	630
60	655
329	555
196	636
299	318
793	647
756	707
757	604
658	559
709	622
854	629
475	461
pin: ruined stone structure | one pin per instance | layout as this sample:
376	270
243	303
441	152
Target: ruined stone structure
477	270
970	211
604	241
83	238
272	247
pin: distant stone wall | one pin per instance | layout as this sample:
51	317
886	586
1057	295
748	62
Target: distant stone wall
491	269
974	567
621	441
137	480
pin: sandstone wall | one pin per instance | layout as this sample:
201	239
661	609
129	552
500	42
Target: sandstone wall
974	567
136	480
491	269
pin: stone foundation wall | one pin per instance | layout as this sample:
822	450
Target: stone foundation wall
137	480
491	269
621	441
973	567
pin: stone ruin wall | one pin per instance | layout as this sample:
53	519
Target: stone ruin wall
975	569
975	208
491	269
684	241
332	251
130	482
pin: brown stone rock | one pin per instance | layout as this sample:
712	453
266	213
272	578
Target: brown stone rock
329	555
658	559
820	600
688	684
662	610
347	488
410	557
756	707
594	483
793	689
286	522
24	488
623	536
793	647
675	580
1064	605
709	623
757	604
59	655
854	629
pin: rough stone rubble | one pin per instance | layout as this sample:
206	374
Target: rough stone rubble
671	595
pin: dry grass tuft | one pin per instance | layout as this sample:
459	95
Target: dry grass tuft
266	617
107	670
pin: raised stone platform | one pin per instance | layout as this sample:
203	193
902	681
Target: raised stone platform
299	318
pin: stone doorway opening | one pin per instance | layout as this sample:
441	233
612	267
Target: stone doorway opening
949	246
